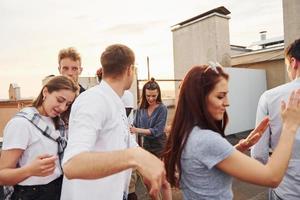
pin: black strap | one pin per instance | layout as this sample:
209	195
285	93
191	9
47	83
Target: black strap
61	142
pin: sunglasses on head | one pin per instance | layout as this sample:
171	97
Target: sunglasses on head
213	66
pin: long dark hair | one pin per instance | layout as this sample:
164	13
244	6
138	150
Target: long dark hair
192	111
57	83
150	85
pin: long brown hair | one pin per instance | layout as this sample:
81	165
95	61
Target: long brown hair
150	85
57	83
192	111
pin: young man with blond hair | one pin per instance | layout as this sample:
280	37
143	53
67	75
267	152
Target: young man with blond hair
69	64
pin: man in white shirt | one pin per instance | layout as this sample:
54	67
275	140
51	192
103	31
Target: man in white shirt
100	154
269	104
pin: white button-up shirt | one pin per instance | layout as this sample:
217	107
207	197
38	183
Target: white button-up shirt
98	123
269	104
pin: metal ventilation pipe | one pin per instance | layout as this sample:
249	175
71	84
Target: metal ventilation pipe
263	35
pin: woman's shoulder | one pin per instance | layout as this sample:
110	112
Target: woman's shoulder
18	121
15	126
197	129
207	140
205	135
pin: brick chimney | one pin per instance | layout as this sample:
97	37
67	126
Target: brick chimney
14	92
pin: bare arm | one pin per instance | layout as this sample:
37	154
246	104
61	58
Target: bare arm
10	175
142	131
252	171
271	174
98	164
101	164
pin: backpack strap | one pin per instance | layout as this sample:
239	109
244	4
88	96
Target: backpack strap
35	118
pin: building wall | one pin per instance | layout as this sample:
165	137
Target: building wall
291	20
5	115
8	109
199	42
88	82
275	71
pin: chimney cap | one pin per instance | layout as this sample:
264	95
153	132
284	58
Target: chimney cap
221	10
14	85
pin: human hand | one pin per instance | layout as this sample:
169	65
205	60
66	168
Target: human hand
290	111
43	165
133	130
166	191
153	171
254	136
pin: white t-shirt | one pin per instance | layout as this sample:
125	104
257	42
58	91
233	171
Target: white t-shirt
127	99
128	102
20	133
98	123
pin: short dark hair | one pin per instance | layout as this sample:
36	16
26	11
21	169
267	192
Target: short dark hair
115	60
293	50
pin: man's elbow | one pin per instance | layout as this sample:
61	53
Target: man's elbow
68	170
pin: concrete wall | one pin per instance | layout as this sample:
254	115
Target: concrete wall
8	109
206	39
275	71
5	115
271	60
291	20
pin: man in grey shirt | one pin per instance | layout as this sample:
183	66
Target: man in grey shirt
269	104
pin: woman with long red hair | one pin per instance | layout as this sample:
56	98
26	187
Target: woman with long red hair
197	156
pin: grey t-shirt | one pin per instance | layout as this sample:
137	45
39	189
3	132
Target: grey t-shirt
200	179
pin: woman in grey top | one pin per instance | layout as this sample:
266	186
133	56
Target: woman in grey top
200	160
150	119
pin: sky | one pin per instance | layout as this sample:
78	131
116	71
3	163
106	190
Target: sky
32	32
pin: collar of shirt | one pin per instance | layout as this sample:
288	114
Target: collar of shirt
115	97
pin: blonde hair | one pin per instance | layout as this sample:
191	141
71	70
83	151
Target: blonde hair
71	53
